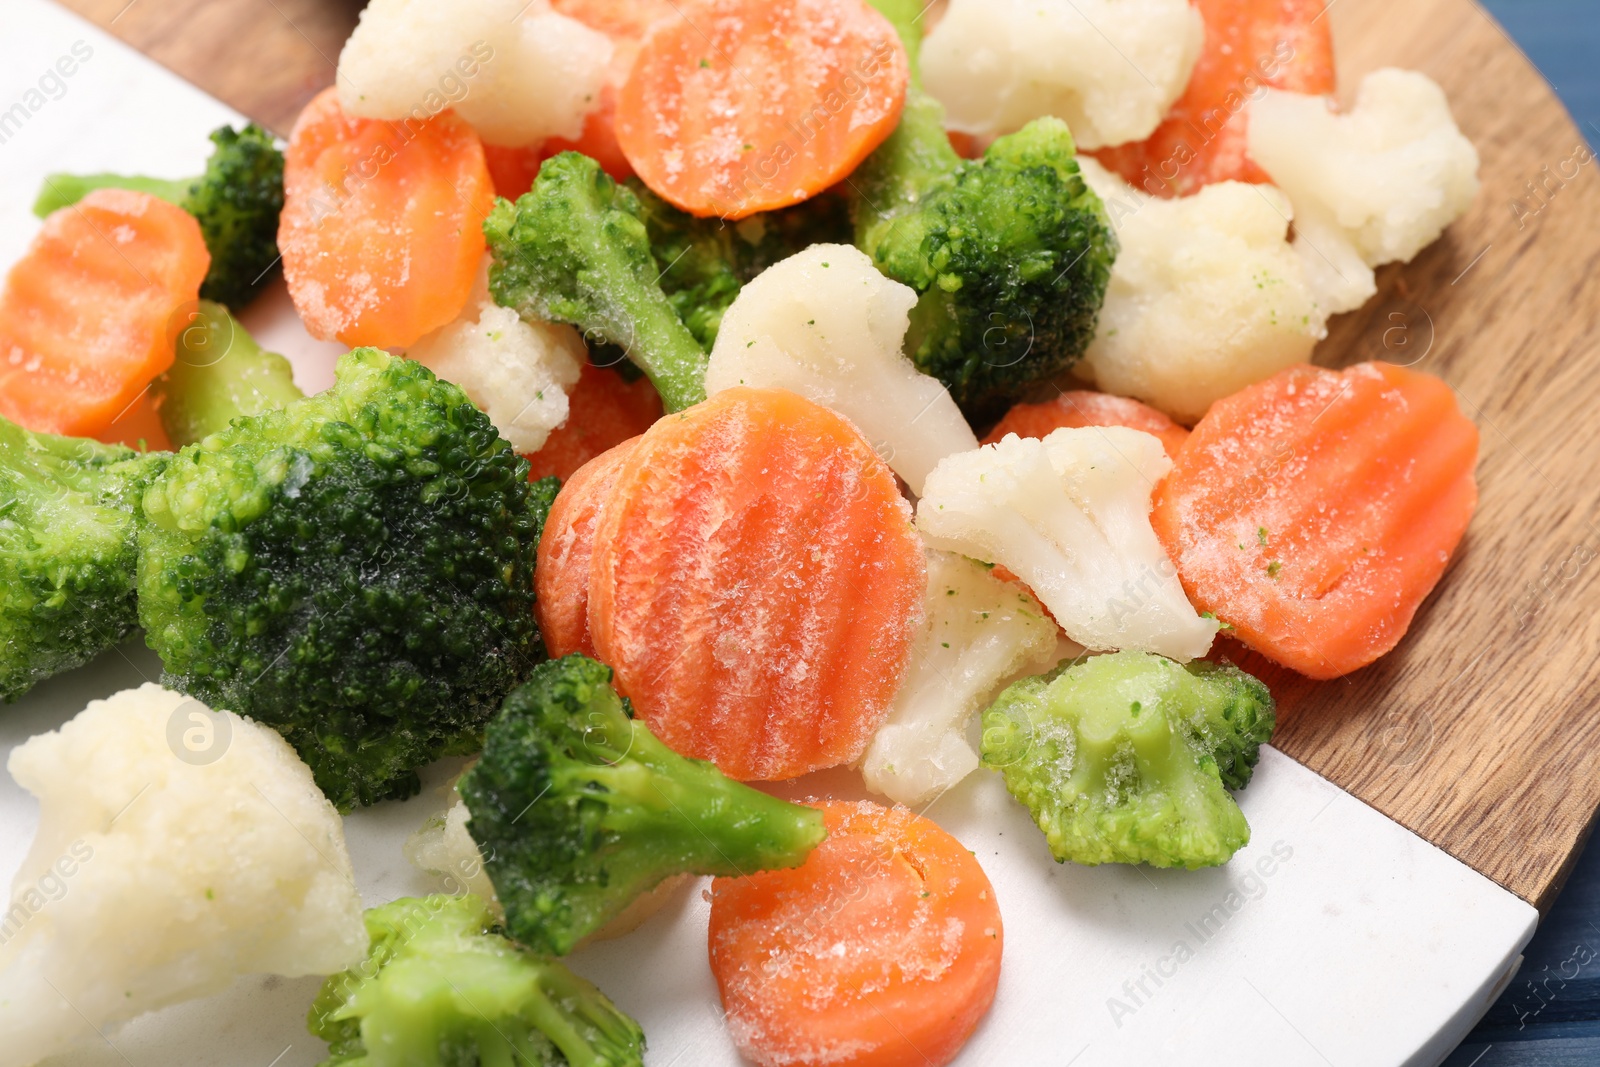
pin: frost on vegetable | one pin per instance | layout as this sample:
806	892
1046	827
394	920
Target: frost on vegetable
1070	516
517	372
1128	758
178	849
519	72
1206	298
1109	68
1374	185
825	324
980	631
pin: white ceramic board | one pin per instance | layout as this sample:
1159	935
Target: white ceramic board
1337	938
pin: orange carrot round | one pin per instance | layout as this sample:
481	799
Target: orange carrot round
1284	44
742	106
602	412
382	226
881	950
87	314
756	584
561	577
1084	407
1315	511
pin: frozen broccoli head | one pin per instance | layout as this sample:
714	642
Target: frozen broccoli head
178	849
354	570
1128	758
67	552
578	809
442	988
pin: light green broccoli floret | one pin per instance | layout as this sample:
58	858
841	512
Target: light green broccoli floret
442	988
1127	758
219	375
578	809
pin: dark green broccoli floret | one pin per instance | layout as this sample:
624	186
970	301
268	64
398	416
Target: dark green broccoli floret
354	570
1125	758
237	202
575	249
442	988
578	809
1011	254
220	374
67	552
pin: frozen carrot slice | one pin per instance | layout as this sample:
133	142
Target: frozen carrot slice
1315	511
742	106
513	170
756	584
602	412
881	950
561	576
382	227
1084	407
87	315
1284	44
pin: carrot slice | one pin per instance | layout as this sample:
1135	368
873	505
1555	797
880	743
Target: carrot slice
1316	510
881	950
1285	44
602	412
561	576
756	584
87	314
139	427
1084	407
513	170
743	106
382	226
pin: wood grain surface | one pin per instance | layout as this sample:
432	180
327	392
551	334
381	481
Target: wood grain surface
1481	732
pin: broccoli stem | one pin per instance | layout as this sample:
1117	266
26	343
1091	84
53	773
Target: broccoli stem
221	374
894	178
64	190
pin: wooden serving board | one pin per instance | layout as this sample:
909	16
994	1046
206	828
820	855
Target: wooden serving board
1479	732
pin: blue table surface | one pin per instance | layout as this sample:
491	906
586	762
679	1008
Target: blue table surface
1550	1014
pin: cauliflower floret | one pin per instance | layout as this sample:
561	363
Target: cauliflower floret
980	634
519	72
1380	182
517	372
1070	516
1206	297
825	324
178	848
1109	68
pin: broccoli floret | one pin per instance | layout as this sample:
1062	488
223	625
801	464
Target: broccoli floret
575	249
1124	758
67	552
237	202
442	988
354	569
1011	254
220	374
578	809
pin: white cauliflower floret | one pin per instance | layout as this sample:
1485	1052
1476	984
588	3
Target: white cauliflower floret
1376	184
980	633
826	324
519	72
1070	517
517	372
178	849
1206	296
1109	68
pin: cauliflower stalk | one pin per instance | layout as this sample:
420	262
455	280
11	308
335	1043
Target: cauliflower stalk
1374	185
178	849
1070	516
518	373
980	632
1109	68
520	72
827	325
1206	298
